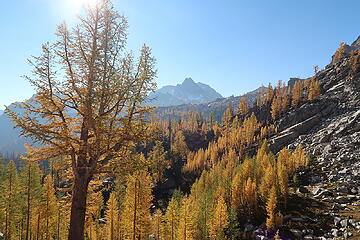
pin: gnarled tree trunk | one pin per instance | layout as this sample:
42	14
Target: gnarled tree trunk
78	207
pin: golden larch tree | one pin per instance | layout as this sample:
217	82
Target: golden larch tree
237	194
157	160
269	93
89	100
243	107
227	116
204	129
179	146
268	180
158	225
250	196
297	92
111	214
172	219
271	205
185	223
314	90
220	220
93	210
137	203
50	208
31	188
275	107
282	174
9	201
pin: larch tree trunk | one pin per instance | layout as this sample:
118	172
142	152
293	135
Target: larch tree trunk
38	226
78	207
28	205
6	222
112	225
58	225
47	217
135	209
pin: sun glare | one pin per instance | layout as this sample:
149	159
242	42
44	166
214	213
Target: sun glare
75	6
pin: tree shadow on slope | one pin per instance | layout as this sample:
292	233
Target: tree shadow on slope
305	213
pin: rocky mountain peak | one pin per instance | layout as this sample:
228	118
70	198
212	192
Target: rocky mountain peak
188	81
187	92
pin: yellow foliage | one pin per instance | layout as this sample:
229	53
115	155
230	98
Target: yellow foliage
219	221
270	209
250	198
113	230
172	219
267	182
49	208
314	91
137	203
297	93
243	107
158	225
185	228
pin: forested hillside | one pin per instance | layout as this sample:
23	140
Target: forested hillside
229	183
223	171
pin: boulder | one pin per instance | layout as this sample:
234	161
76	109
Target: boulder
337	221
352	222
335	232
308	237
323	193
342	199
297	233
303	189
316	190
343	189
347	234
344	223
297	219
248	227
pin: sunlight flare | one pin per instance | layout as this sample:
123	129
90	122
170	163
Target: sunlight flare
75	6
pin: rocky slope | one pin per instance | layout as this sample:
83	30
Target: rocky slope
329	129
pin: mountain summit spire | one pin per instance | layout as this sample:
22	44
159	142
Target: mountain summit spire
187	92
188	80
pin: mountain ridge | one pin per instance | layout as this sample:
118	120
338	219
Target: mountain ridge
216	107
186	92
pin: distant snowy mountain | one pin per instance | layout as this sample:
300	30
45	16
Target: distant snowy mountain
186	92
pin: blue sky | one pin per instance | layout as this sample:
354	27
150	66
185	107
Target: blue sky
232	45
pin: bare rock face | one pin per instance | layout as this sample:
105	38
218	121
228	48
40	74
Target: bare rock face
328	127
329	131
